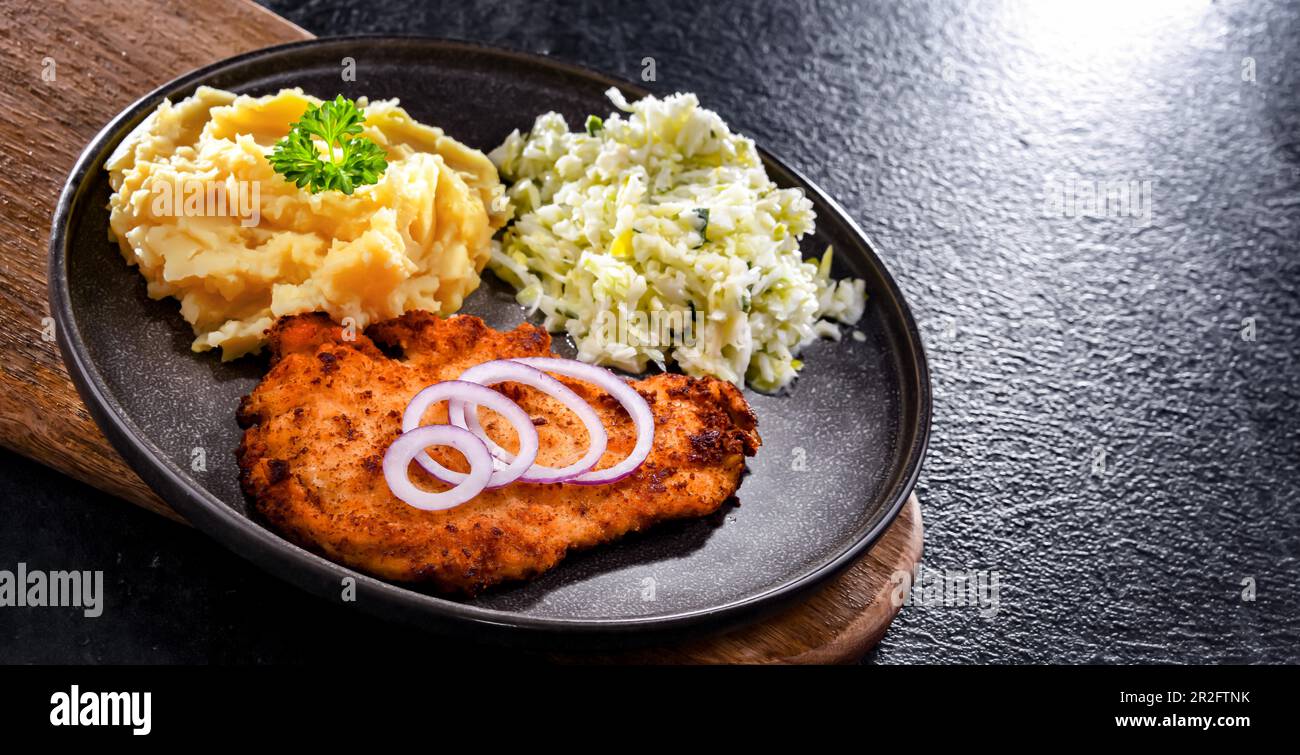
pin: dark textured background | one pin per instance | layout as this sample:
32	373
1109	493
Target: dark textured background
1053	340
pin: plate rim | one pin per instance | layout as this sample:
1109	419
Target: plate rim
312	572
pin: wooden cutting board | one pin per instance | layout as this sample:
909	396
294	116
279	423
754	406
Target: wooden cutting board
69	68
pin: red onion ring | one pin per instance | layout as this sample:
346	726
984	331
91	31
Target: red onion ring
500	371
397	466
617	387
483	396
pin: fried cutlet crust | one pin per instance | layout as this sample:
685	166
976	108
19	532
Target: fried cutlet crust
317	427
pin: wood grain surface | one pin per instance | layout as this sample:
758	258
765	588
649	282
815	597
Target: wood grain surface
69	67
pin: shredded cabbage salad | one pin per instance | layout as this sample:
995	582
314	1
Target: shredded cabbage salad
656	235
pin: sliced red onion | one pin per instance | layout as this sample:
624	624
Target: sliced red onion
642	418
501	371
453	390
397	466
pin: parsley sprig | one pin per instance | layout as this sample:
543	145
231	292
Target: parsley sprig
349	160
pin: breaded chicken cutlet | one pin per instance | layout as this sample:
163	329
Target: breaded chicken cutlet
317	427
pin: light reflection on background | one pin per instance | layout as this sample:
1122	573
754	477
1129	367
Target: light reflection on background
1062	30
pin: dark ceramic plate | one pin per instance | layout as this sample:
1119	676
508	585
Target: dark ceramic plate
840	452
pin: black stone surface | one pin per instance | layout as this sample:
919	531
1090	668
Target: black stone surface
1108	439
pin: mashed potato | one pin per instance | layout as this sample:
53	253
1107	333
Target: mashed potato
197	207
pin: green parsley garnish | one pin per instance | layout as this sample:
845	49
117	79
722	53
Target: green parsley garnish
594	125
348	161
